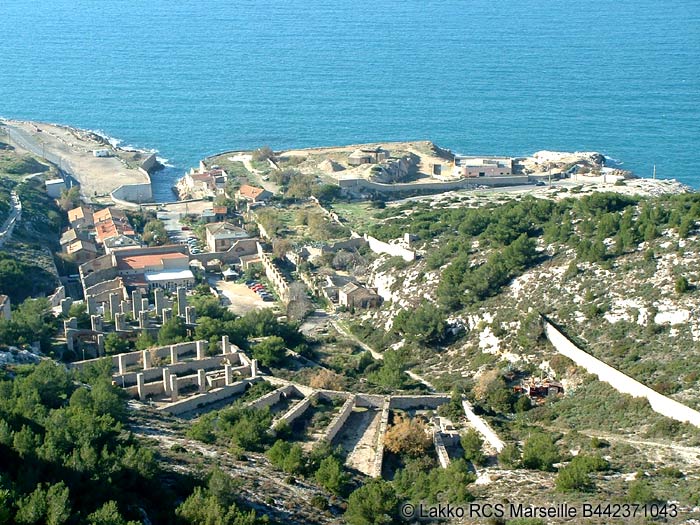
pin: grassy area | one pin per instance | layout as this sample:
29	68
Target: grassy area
359	215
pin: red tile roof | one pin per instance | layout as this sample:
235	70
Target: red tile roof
139	262
250	192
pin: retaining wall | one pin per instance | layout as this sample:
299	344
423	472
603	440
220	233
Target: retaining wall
621	382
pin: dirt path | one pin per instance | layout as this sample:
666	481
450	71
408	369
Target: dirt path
341	329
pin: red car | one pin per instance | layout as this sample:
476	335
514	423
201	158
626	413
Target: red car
257	287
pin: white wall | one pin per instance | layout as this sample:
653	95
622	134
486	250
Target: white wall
622	383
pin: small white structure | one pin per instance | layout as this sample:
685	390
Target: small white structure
102	153
54	187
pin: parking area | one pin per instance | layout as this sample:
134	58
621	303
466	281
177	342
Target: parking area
241	299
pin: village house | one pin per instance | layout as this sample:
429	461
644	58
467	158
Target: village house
354	295
82	251
81	217
469	167
71	235
206	183
222	235
252	194
111	222
120	241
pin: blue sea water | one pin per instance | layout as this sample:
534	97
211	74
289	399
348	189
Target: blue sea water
191	77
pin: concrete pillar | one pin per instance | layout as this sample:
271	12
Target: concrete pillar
91	305
200	350
254	368
65	305
67	325
166	381
173	388
159	295
113	304
190	315
121	362
136	303
146	359
144	304
126	307
181	301
119	322
173	354
140	386
96	323
143	319
100	345
202	380
224	344
69	338
228	374
167	314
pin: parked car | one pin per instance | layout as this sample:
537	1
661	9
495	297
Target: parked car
250	283
267	298
186	228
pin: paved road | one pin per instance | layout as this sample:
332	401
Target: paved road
24	140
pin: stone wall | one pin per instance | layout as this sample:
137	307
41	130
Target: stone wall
339	420
381	431
440	450
427	401
437	186
622	383
298	409
271	398
201	400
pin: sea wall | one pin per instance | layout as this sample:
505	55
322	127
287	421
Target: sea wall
621	382
131	195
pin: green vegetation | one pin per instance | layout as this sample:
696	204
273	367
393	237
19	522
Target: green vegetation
20	279
576	475
372	504
508	230
154	233
67	458
31	321
540	452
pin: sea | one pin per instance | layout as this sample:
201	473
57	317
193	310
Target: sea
190	78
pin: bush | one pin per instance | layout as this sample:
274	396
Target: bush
540	452
372	504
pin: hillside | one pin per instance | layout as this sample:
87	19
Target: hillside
618	273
